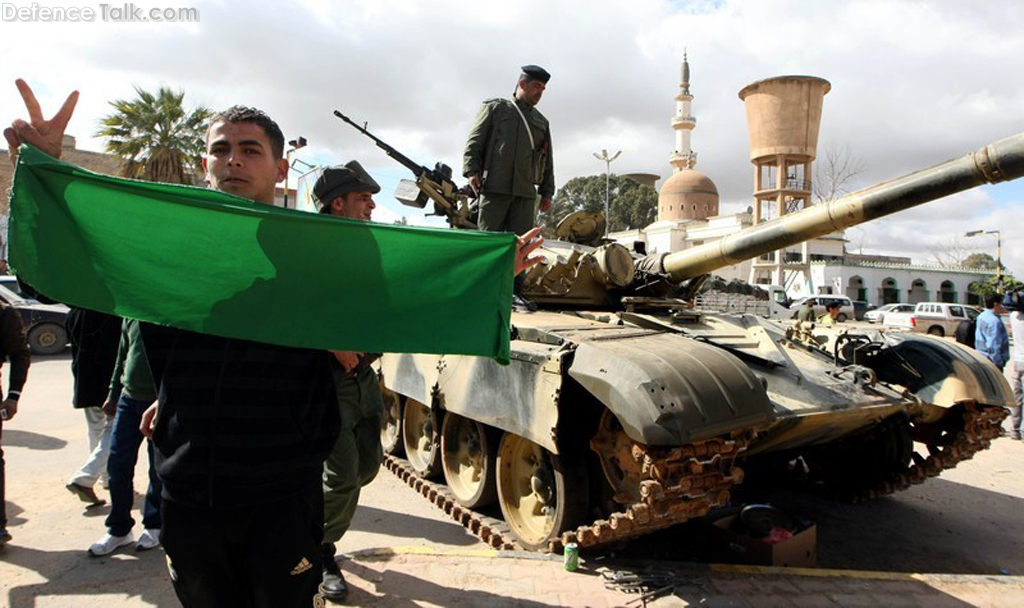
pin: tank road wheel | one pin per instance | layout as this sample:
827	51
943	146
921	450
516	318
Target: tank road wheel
540	496
391	431
421	439
468	458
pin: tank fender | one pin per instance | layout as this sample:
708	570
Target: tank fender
668	389
940	372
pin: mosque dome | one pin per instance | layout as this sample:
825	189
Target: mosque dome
687	195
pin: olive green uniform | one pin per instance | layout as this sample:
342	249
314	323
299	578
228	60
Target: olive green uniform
357	454
498	149
806	314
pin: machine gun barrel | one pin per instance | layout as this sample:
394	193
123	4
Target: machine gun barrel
434	185
996	162
416	168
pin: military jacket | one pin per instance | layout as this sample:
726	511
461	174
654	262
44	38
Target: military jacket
498	148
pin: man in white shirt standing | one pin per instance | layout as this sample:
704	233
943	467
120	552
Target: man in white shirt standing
1014	372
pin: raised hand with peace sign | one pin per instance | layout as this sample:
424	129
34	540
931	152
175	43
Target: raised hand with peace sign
41	133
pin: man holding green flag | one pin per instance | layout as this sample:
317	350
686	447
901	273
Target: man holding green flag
244	425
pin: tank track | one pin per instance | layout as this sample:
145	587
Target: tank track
492	531
682	483
946	449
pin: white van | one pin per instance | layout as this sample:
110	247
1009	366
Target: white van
846	311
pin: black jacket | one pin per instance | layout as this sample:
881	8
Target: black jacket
13	348
239	422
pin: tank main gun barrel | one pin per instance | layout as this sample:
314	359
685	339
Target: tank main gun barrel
996	162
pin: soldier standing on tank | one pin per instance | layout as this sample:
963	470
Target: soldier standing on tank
347	191
508	160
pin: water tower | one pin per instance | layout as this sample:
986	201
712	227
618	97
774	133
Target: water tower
783	117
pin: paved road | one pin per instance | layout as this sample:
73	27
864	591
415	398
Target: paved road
968	522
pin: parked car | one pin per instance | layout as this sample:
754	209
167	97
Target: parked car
878	315
846	310
11	282
935	318
45	324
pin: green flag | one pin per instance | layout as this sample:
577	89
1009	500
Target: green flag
210	262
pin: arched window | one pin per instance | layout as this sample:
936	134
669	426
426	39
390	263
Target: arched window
889	292
918	291
855	289
947	292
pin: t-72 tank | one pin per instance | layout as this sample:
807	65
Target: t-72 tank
625	411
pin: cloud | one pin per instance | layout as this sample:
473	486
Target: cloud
913	83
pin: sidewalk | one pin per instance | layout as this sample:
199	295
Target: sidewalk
417	576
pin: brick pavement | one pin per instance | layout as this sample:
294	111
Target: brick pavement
426	577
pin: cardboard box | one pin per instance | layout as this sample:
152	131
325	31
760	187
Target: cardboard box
799	551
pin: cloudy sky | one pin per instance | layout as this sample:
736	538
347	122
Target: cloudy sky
913	83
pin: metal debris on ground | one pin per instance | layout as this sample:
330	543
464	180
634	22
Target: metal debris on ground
650	583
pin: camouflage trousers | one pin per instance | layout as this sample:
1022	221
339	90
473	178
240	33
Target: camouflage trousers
507	213
357	454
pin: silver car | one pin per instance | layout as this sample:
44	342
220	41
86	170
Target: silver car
878	315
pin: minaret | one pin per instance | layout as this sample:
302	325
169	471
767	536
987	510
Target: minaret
687	194
683	122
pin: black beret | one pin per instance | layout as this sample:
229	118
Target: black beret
342	179
535	72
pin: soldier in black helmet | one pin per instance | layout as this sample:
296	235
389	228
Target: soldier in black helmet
508	159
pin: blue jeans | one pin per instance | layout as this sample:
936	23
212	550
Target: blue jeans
125	439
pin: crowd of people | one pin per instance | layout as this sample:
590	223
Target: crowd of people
247	498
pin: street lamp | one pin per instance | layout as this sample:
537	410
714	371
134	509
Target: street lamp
295	145
999	251
607	183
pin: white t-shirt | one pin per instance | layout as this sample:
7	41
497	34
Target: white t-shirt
1017	332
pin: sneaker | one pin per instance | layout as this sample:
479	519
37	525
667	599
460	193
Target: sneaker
5	537
86	494
334	587
150	538
1015	435
108	544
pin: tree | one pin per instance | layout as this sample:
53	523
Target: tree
979	260
155	137
834	172
992	285
950	252
632	204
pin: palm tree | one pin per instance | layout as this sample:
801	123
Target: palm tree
156	139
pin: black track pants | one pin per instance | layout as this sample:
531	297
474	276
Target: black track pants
265	556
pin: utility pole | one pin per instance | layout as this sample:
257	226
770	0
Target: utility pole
607	184
295	145
999	253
